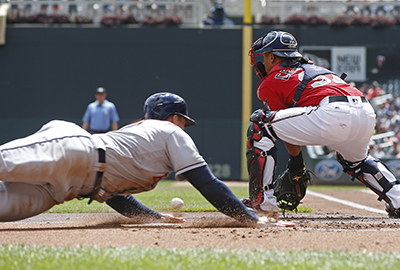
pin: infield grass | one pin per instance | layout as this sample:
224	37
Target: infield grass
43	258
159	199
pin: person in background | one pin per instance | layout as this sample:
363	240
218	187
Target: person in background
374	91
101	115
394	148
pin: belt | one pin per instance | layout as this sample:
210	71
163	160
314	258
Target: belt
98	131
99	175
344	99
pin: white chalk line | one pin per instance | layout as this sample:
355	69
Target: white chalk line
348	203
368	191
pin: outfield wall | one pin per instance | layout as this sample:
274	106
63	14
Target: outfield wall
52	73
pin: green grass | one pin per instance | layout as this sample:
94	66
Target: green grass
43	258
158	199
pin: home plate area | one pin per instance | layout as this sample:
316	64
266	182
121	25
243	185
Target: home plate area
333	224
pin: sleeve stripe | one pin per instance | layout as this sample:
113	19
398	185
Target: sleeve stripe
190	167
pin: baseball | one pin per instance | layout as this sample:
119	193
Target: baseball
177	203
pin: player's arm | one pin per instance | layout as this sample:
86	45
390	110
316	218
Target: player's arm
86	118
218	194
130	207
114	118
85	125
114	125
293	150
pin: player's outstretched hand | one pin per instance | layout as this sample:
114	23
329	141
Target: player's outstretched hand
167	218
265	220
272	222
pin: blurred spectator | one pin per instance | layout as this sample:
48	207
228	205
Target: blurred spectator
388	62
394	149
218	16
374	91
371	146
378	152
388	120
364	88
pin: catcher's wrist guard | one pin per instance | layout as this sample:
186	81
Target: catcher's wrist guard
290	188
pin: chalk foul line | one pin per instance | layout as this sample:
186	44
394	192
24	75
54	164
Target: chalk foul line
348	203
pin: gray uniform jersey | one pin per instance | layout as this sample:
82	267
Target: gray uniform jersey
59	163
139	155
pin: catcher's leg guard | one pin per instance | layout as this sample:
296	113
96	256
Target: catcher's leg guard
257	161
375	175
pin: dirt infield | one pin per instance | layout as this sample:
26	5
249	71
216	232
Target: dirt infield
332	226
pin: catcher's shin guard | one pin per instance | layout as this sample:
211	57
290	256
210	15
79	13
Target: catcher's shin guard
256	162
372	173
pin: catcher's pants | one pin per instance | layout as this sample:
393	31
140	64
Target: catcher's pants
345	127
51	166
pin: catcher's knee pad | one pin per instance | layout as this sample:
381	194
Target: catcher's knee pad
372	173
256	162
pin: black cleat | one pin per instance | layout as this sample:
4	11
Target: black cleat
247	203
393	213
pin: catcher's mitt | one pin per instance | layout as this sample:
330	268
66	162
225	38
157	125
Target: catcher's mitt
290	188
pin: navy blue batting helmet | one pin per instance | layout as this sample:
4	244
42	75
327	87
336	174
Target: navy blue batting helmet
279	43
161	105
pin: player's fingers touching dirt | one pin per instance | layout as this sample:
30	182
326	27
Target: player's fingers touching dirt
167	218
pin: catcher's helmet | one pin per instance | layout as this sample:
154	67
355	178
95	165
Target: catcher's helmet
280	43
161	105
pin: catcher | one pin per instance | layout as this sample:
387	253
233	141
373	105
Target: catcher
307	105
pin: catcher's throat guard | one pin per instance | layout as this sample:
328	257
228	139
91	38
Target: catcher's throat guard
290	188
258	66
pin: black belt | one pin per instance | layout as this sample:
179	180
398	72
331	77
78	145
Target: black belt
99	175
98	131
344	99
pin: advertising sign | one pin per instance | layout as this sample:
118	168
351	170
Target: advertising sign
350	60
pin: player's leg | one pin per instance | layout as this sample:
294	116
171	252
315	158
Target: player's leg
61	155
375	175
261	166
21	200
353	156
261	156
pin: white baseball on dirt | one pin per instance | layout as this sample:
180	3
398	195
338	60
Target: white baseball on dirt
177	203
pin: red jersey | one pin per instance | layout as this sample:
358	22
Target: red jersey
277	89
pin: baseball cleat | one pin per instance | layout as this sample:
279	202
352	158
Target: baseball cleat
393	213
247	203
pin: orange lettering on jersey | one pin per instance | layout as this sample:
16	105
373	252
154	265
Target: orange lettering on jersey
158	178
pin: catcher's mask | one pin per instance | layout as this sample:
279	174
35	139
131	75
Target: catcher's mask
279	43
161	105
